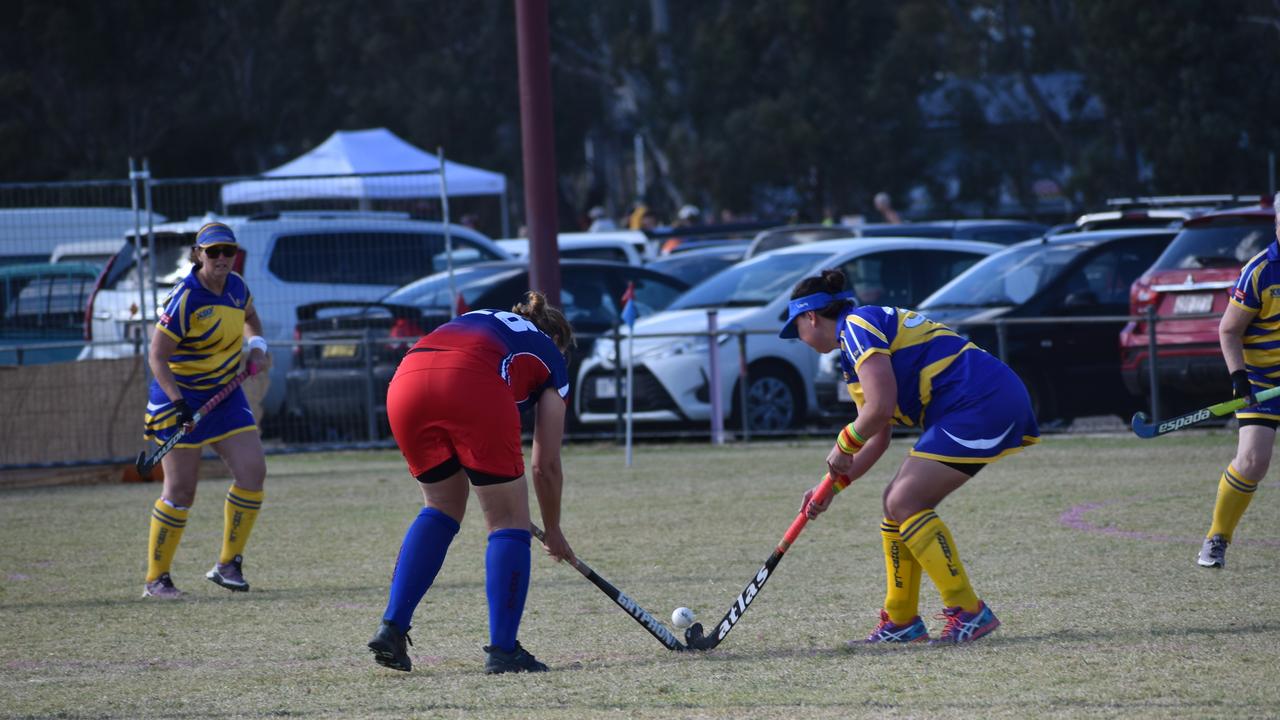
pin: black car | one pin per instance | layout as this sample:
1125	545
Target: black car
1071	369
347	352
694	266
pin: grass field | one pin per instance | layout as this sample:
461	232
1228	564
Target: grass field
1083	545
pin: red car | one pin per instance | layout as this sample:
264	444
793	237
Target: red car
1192	278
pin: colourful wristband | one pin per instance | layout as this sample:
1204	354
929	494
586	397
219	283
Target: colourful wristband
849	440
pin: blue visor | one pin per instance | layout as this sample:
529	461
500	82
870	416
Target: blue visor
802	305
215	233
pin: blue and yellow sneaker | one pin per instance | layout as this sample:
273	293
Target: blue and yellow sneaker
888	632
964	626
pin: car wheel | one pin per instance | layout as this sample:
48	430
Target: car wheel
773	401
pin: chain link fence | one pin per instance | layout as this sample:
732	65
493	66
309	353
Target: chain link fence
83	266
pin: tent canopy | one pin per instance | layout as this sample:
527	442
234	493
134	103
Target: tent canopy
357	152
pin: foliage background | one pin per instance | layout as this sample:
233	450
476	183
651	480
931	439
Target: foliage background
803	106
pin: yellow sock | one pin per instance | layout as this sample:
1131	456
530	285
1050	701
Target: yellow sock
167	524
238	514
902	576
933	547
1234	494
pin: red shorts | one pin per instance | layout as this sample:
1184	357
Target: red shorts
443	405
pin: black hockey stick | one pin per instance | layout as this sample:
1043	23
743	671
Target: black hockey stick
144	464
637	613
694	637
1144	428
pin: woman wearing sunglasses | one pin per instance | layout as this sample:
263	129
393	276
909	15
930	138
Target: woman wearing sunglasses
206	326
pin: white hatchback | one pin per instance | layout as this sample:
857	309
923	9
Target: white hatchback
671	374
287	259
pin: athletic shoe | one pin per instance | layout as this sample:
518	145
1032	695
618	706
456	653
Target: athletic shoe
389	647
964	626
162	587
1213	554
518	660
229	575
887	632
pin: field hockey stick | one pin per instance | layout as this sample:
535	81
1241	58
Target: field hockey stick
637	613
1144	428
144	464
694	637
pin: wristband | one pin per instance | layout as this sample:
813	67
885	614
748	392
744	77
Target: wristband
849	440
257	342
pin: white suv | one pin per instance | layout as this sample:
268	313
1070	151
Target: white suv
287	259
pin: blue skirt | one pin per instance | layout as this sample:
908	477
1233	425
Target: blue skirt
980	412
233	415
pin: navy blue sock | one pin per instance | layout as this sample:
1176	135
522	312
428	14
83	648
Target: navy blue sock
506	583
421	555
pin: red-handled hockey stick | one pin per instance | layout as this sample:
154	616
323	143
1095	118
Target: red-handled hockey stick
694	638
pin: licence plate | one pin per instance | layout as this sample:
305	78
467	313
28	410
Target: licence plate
607	388
1192	304
338	351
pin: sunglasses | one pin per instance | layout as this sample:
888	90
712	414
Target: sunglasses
217	251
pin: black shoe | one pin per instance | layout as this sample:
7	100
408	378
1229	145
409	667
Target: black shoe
388	646
518	660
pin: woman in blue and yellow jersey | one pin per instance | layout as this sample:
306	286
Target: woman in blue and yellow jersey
904	369
1249	334
204	326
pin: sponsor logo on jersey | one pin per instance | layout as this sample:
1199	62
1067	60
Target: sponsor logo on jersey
205	313
914	320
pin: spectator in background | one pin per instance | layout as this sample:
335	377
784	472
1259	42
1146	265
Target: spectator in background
470	220
642	218
600	220
688	216
885	207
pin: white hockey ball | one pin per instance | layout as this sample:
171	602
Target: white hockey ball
682	617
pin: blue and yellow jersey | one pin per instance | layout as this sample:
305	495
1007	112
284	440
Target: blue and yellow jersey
923	354
1258	293
208	328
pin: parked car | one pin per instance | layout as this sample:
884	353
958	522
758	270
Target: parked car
349	351
42	311
93	252
1071	369
1166	211
1003	232
31	234
1191	278
694	266
620	246
672	385
287	259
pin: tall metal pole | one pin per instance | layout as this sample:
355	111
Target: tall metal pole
448	236
538	145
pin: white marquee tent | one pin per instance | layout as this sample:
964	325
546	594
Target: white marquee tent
367	155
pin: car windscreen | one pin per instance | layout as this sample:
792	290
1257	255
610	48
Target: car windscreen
751	284
1216	246
433	291
1009	277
